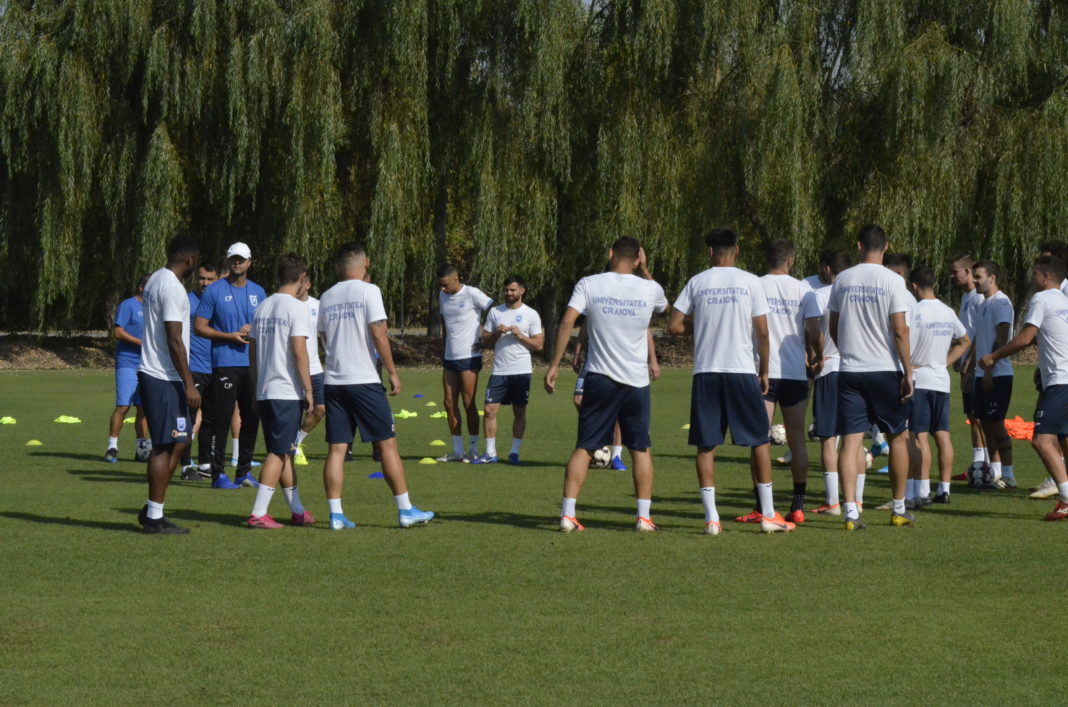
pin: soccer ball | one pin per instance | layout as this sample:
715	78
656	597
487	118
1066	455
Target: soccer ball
777	434
602	457
979	475
868	459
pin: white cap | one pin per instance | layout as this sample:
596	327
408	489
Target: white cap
240	250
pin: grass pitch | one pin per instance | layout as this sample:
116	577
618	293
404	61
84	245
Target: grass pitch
489	603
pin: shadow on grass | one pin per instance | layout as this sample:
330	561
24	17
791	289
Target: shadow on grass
99	475
78	522
195	516
516	520
74	455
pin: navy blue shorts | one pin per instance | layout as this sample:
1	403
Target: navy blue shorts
929	411
281	423
722	400
866	399
464	364
825	406
352	407
786	392
126	393
164	405
318	395
509	390
995	404
1051	413
967	394
603	404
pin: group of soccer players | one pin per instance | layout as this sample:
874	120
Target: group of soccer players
873	339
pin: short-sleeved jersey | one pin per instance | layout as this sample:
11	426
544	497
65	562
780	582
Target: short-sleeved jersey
814	306
723	303
865	296
227	309
933	330
969	308
618	308
346	312
314	363
199	347
1048	311
994	310
278	319
165	300
510	356
462	313
129	316
786	326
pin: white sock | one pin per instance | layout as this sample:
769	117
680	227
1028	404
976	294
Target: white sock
860	487
851	510
335	506
925	488
708	498
263	500
458	444
236	445
830	482
155	510
567	508
1007	472
995	469
910	489
473	444
644	504
878	437
978	455
1061	488
113	442
943	487
293	499
403	504
516	441
767	504
617	450
300	436
491	446
899	505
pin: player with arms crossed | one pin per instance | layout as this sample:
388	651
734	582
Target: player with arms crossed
167	389
618	306
352	320
1046	322
513	330
729	312
868	304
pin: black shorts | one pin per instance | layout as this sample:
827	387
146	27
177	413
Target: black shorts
606	402
164	405
787	392
509	390
995	404
1051	412
825	406
352	407
318	395
866	399
464	364
281	423
722	400
929	411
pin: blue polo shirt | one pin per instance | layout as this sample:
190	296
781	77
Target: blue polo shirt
228	308
130	317
199	347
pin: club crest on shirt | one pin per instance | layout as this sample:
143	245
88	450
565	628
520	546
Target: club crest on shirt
228	298
181	424
518	318
254	300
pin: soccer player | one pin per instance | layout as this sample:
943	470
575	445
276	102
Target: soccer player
823	362
167	389
317	411
1059	249
819	280
514	331
461	309
278	358
352	320
225	317
729	313
993	386
200	366
787	377
938	339
960	274
618	306
129	321
868	304
1046	322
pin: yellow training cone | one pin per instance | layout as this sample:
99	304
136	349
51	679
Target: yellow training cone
427	460
129	420
431	404
437	443
67	419
5	420
34	443
686	426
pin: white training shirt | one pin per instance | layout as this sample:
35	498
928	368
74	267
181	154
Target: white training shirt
277	320
618	308
933	330
814	306
865	296
723	303
346	312
461	313
969	310
1048	310
814	282
510	356
994	310
786	326
315	365
165	300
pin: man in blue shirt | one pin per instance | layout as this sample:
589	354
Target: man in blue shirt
224	316
129	327
200	367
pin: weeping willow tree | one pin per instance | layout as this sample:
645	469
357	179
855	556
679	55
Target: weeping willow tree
516	138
